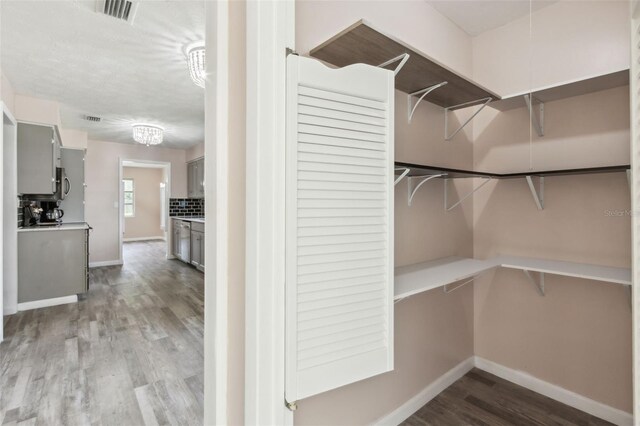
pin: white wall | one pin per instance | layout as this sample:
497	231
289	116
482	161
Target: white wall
102	193
146	221
72	138
6	92
570	40
195	152
28	108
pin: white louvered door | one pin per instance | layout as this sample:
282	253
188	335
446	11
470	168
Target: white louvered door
339	243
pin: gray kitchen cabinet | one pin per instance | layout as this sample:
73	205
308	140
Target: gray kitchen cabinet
38	156
52	263
200	178
73	204
195	178
197	245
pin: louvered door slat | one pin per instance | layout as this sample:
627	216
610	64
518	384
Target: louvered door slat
339	287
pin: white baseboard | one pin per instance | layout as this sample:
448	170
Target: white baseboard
47	302
129	240
521	378
558	393
403	412
105	263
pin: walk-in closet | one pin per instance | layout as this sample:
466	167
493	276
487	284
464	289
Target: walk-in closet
467	235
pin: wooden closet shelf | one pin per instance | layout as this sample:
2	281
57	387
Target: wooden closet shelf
424	170
414	279
567	90
360	43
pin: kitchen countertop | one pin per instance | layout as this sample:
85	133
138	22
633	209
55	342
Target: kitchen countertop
70	226
189	219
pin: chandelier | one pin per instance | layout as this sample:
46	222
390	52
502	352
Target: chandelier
196	59
147	134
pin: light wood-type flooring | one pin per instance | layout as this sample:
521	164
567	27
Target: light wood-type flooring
130	353
480	398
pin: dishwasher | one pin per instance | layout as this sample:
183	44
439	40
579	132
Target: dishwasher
185	241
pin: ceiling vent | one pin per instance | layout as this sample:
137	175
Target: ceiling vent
92	118
119	9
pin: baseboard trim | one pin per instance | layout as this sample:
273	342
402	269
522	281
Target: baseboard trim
405	411
105	263
558	393
130	240
26	306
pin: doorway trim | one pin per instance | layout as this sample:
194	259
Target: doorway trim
270	32
8	230
166	168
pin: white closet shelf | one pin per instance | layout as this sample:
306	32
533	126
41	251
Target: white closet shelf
569	269
414	279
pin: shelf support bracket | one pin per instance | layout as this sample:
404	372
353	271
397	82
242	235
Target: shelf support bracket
484	102
405	171
447	291
403	60
446	194
536	120
411	107
539	284
538	194
412	187
629	177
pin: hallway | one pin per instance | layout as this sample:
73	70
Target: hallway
130	353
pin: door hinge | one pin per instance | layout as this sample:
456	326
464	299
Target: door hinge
290	51
292	406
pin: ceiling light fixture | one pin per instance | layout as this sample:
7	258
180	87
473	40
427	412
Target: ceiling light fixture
196	59
147	134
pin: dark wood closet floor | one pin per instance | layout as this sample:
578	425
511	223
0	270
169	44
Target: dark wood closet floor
480	398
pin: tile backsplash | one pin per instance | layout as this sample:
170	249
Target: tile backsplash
188	207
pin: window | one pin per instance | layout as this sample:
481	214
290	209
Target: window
129	198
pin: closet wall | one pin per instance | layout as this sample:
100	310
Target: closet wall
578	336
562	47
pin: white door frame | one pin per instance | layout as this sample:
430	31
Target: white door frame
166	167
8	201
634	183
270	31
216	212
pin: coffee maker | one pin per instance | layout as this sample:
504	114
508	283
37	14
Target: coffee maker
51	213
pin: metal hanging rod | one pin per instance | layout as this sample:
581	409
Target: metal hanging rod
403	60
536	121
538	194
446	196
412	188
405	172
447	136
412	107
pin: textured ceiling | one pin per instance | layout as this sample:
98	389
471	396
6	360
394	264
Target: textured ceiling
478	16
97	65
